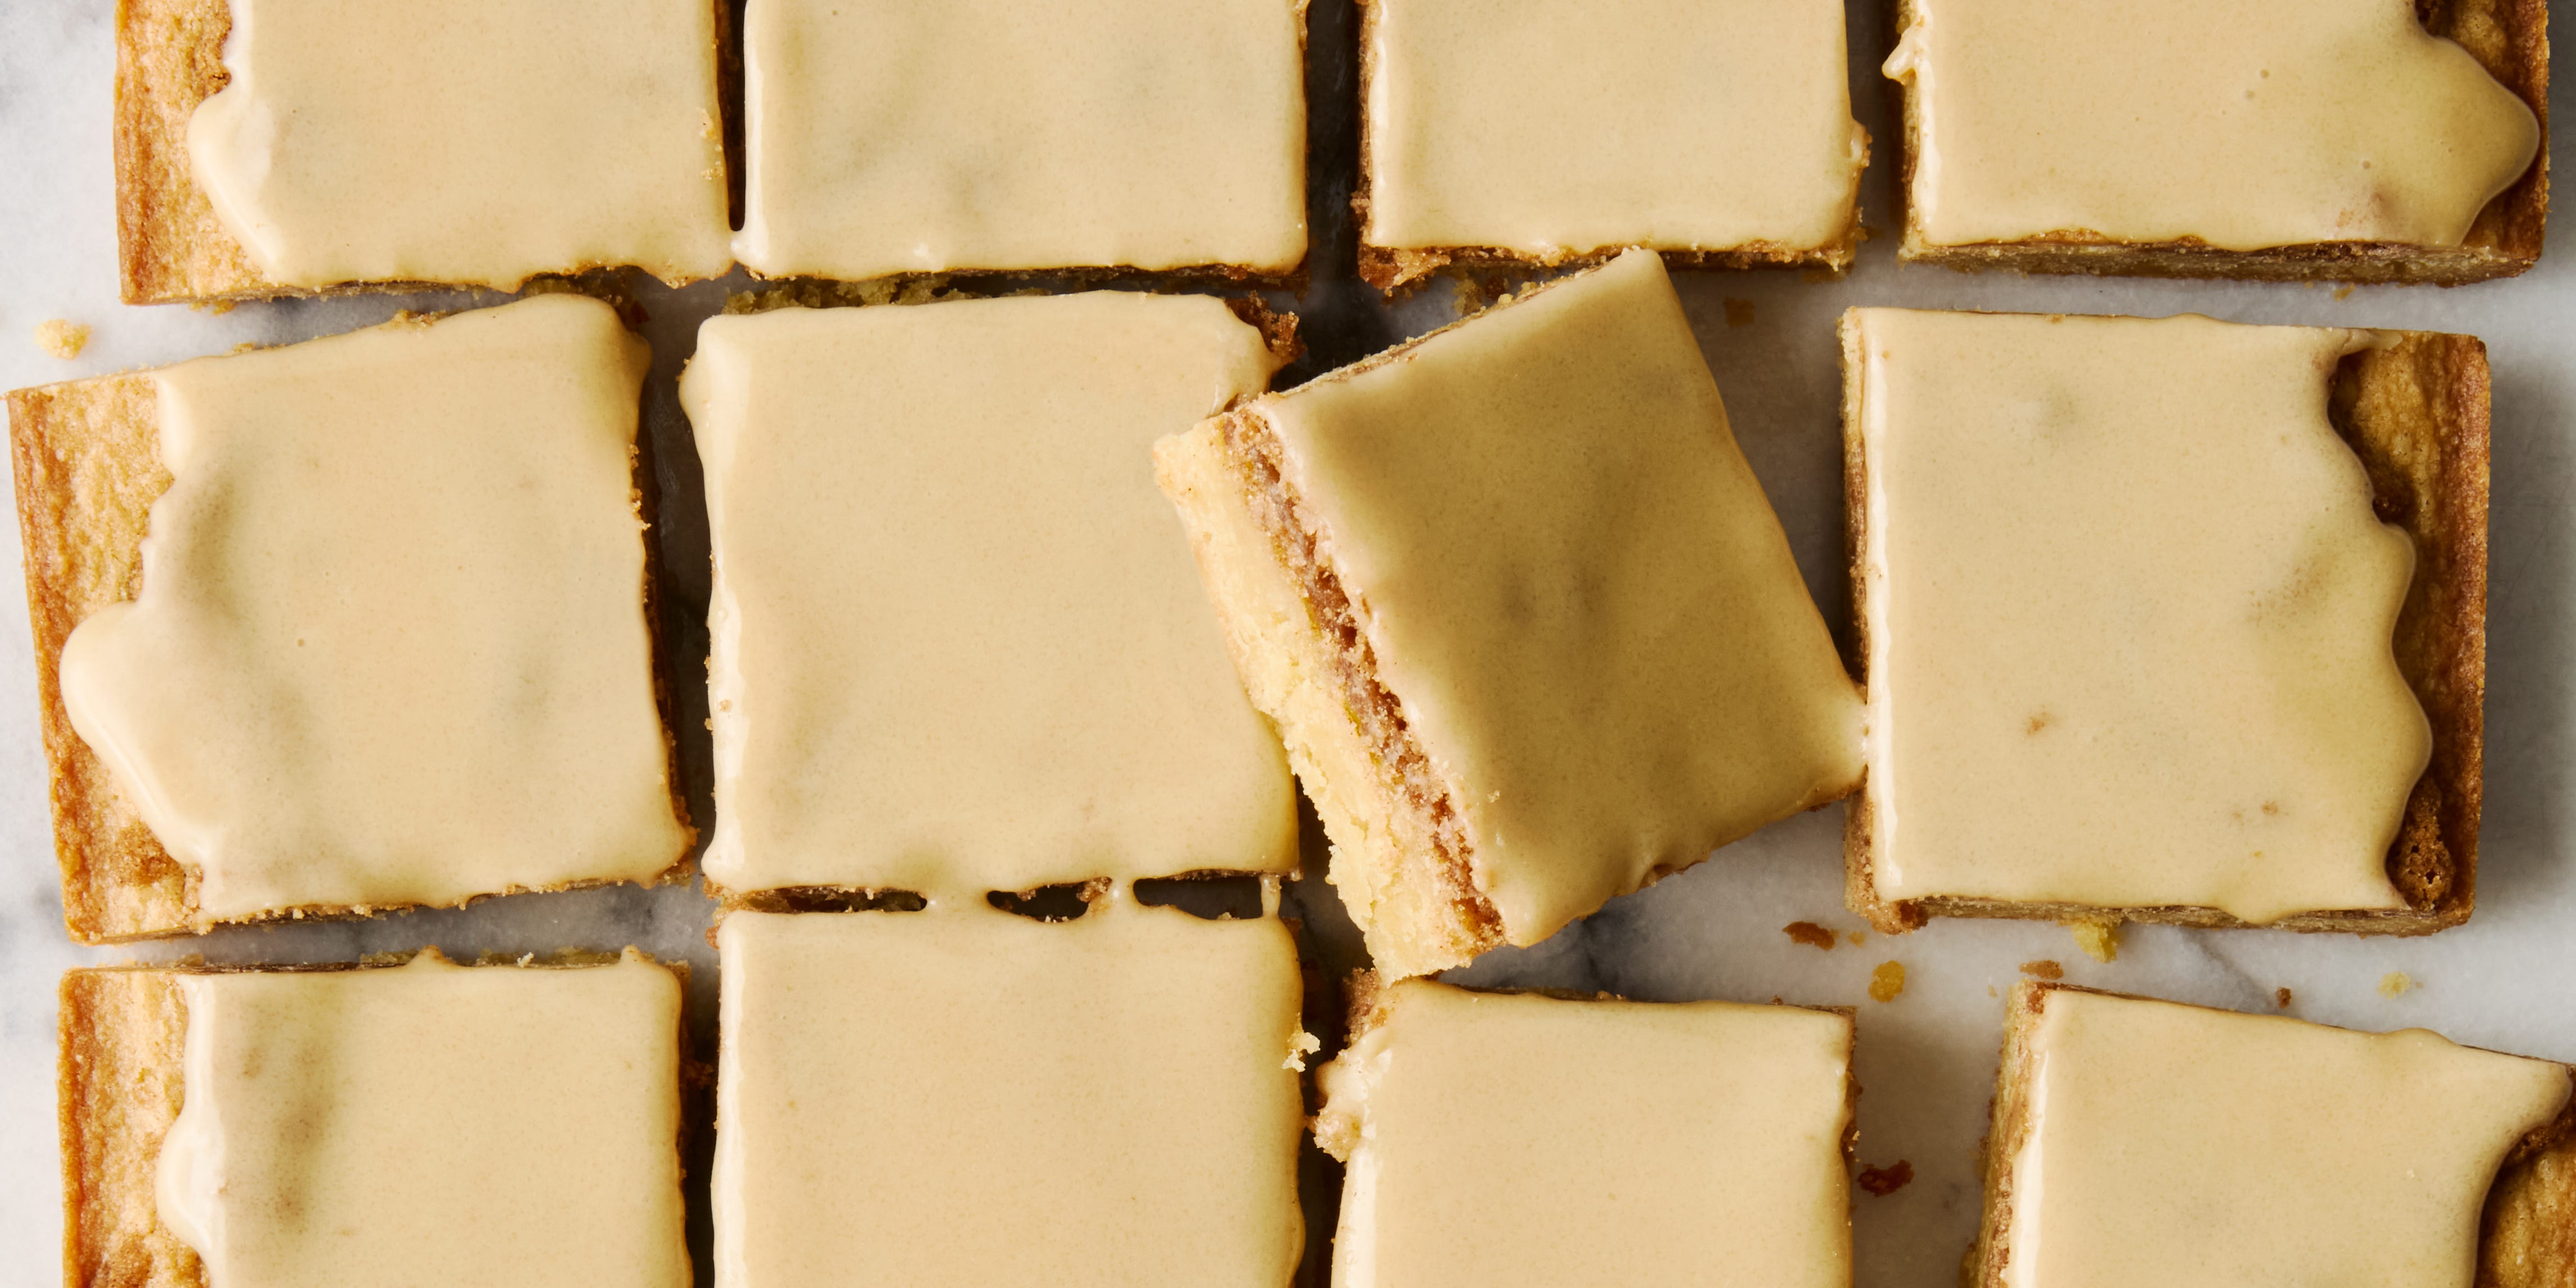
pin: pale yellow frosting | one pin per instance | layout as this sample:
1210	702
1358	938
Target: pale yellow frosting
1515	1139
962	1098
1554	129
2129	617
958	642
2244	125
470	141
990	134
2172	1145
431	1124
1575	589
390	646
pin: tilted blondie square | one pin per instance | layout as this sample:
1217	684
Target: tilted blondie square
1529	626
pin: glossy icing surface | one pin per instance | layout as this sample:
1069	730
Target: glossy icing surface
2129	617
469	141
959	645
390	646
2241	125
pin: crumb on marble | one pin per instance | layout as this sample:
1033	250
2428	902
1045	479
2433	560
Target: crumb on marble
2043	969
2100	940
2343	292
1810	934
1887	981
1738	312
2281	998
1883	1181
2396	983
61	338
1859	937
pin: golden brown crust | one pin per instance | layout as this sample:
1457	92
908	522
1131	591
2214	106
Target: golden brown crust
88	469
2415	412
87	459
1278	327
2527	1232
122	1033
1398	271
1445	911
2509	38
171	246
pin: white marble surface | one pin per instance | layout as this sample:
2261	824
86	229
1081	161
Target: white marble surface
2506	980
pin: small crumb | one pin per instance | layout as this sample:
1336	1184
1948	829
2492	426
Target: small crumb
2043	969
2395	983
1883	1181
1887	981
1299	1047
1738	312
2343	293
2281	998
1859	937
1810	934
60	338
2100	940
1990	991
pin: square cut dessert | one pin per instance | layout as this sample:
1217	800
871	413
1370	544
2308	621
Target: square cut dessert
352	624
287	147
958	646
962	1097
2282	139
1515	1138
1529	133
1529	626
2138	1142
988	135
421	1124
2166	620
